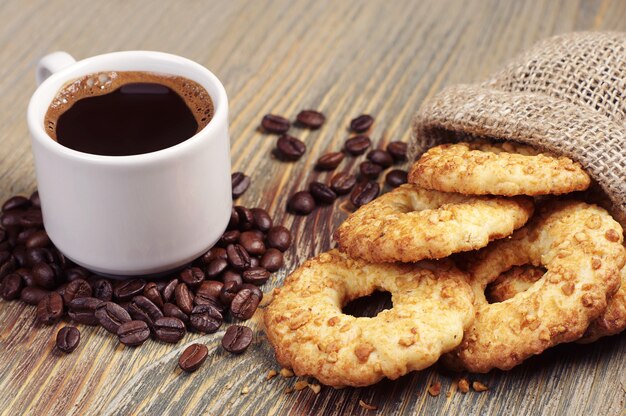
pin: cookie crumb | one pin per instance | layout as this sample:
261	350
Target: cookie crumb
315	387
463	385
434	389
271	374
478	386
285	372
301	385
229	386
367	406
289	390
245	390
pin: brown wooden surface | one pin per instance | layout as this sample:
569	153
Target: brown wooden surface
342	57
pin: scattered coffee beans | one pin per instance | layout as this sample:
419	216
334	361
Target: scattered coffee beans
301	203
370	170
279	237
237	339
111	315
311	119
206	318
342	183
272	260
192	358
239	184
272	123
364	193
133	333
362	123
32	295
380	157
11	286
50	308
245	303
322	193
357	145
398	150
396	177
329	161
68	339
83	310
169	329
289	148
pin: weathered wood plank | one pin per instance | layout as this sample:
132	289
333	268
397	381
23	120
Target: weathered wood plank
343	58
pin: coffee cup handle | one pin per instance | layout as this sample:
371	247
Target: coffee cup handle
52	63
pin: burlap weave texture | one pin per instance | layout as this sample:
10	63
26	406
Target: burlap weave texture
565	95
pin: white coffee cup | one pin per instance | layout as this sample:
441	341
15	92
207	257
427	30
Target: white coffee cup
139	214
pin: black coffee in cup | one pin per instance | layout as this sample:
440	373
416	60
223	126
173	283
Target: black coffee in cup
127	113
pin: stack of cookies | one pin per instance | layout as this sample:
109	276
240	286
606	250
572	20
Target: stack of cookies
489	255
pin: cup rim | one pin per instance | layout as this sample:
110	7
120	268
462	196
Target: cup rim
36	126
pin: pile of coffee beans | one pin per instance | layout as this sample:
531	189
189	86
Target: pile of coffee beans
363	186
224	282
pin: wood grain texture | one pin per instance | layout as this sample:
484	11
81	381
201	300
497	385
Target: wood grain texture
341	57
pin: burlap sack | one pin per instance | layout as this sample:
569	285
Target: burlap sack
566	95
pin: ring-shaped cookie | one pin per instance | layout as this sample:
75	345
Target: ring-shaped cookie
611	322
432	305
410	224
508	169
580	246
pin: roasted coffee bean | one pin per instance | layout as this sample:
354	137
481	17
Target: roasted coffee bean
44	275
68	339
255	275
329	161
169	309
364	193
238	257
370	170
255	289
216	267
273	123
32	295
11	219
11	286
203	299
31	218
61	289
322	193
301	203
59	274
59	258
38	255
38	239
212	254
272	260
289	148
254	261
311	119
229	291
111	315
229	237
206	318
128	289
252	242
232	276
262	219
169	329
103	290
8	264
192	276
184	298
396	177
192	358
74	273
169	289
16	202
143	309
245	303
361	123
83	310
27	277
246	218
78	288
397	150
279	237
23	235
380	157
234	219
151	291
239	183
237	339
50	308
3	235
19	254
357	145
342	183
210	288
34	199
133	333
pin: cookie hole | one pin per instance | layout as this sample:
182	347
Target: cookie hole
513	282
368	306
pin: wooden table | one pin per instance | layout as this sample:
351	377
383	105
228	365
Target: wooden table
344	58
